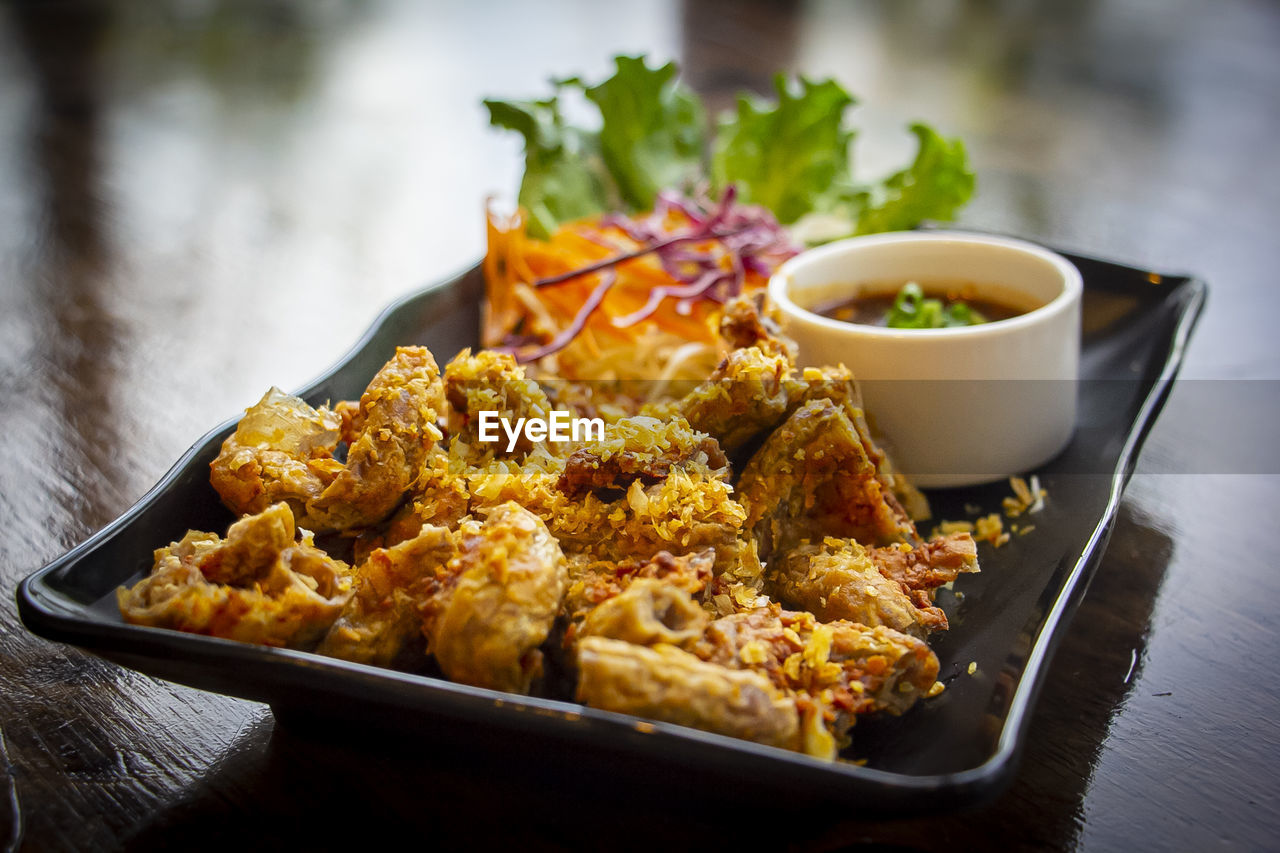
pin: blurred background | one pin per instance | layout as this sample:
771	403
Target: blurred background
202	198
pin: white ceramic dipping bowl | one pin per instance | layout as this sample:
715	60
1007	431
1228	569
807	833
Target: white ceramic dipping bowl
956	406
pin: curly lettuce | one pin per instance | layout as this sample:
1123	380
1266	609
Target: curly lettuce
791	155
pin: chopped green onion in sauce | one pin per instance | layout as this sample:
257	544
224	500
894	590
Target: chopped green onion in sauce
912	307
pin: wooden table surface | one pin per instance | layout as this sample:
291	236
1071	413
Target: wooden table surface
200	200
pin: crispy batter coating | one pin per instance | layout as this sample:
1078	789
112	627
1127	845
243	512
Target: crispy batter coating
251	547
490	381
745	397
681	513
399	409
930	564
592	582
499	602
837	579
867	668
924	568
838	385
646	613
667	684
441	497
641	449
688	506
282	450
748	321
257	585
637	562
812	477
390	589
835	670
647	487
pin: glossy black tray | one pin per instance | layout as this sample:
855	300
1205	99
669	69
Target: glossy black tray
958	749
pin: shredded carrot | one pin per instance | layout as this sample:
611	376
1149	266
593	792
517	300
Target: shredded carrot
639	315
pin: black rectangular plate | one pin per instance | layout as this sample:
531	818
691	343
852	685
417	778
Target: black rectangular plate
958	749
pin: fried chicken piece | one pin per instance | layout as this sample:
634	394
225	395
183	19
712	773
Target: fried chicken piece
641	449
838	385
453	484
491	381
681	513
500	597
399	409
352	418
919	571
812	477
257	585
390	589
666	684
592	582
282	450
893	668
879	669
746	396
605	508
646	613
749	320
440	497
837	670
929	565
838	580
251	547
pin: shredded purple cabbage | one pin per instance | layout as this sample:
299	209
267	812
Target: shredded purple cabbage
571	331
748	235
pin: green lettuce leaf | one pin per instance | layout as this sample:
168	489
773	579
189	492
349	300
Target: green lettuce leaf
934	186
652	130
791	157
564	175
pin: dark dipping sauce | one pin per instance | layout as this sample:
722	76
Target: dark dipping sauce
872	308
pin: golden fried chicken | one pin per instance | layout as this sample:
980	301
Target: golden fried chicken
642	449
399	408
750	321
635	561
390	589
500	597
257	585
924	568
744	398
930	564
646	613
840	668
670	685
812	477
282	450
838	385
682	512
592	582
836	579
490	381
